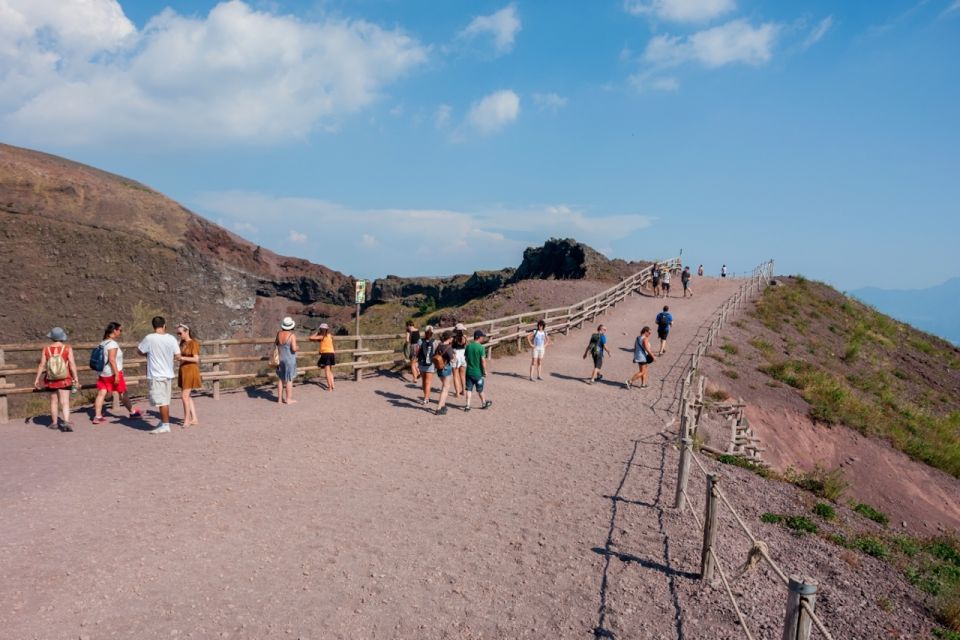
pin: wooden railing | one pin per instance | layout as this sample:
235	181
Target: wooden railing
800	617
364	352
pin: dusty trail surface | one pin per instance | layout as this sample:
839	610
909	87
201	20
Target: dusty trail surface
358	513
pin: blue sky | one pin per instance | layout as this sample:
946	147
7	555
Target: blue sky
426	138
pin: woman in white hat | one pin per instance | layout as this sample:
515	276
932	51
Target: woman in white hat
58	373
328	357
286	344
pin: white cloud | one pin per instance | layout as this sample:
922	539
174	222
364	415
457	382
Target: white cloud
680	10
422	241
244	227
502	26
297	238
549	101
649	82
79	72
495	111
441	118
954	6
735	41
819	31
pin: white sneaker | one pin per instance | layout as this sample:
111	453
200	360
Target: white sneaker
163	428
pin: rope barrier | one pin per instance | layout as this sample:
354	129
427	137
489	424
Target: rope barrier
733	599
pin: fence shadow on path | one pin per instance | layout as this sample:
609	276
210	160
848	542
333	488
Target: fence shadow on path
403	402
262	393
664	565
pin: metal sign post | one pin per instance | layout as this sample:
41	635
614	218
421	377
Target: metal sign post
360	295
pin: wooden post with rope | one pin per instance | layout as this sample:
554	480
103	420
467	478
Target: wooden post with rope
707	561
683	475
797	623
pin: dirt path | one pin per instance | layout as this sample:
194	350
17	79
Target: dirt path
358	514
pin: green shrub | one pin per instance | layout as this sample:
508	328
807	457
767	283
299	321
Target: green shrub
906	545
820	482
871	546
743	463
838	539
730	373
825	511
771	518
801	524
762	346
946	634
869	512
730	349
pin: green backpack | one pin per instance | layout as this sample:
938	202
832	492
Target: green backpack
594	345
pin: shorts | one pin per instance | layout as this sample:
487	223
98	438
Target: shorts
538	352
475	383
106	382
446	372
666	286
656	282
663	333
327	360
459	358
686	285
158	391
598	361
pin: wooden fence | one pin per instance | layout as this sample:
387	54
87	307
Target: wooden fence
221	360
800	610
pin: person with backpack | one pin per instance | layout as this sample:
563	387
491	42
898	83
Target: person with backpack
443	361
161	350
596	348
188	377
665	282
723	271
476	356
428	348
107	361
643	356
57	373
538	341
655	274
664	322
286	345
685	281
328	356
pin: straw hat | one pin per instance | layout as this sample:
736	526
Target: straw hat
288	324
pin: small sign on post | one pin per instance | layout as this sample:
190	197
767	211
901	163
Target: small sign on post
360	294
360	289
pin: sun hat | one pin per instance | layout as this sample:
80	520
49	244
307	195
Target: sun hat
428	328
324	325
460	327
478	334
57	334
288	324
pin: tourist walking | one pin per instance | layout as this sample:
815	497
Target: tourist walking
723	271
410	346
643	356
655	274
188	377
328	357
700	271
538	341
664	322
459	362
285	344
685	281
476	356
665	282
443	359
596	349
110	378
161	349
428	348
57	374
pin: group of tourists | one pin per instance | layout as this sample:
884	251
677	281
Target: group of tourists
57	373
459	363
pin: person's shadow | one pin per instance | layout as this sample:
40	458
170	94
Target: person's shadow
403	402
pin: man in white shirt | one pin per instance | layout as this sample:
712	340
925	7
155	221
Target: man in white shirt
161	349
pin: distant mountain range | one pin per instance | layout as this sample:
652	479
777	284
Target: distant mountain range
935	310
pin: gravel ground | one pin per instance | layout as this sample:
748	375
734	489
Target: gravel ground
359	514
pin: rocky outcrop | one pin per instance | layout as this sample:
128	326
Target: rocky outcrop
453	290
568	259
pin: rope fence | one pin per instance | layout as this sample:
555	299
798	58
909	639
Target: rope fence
250	356
800	610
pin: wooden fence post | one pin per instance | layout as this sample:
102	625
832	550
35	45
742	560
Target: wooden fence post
357	357
707	562
797	624
216	369
683	474
4	407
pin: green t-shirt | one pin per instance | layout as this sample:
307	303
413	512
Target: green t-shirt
475	354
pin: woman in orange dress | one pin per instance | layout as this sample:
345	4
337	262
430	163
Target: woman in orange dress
327	356
58	373
189	374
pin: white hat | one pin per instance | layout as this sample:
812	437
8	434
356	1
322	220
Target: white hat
460	327
288	324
